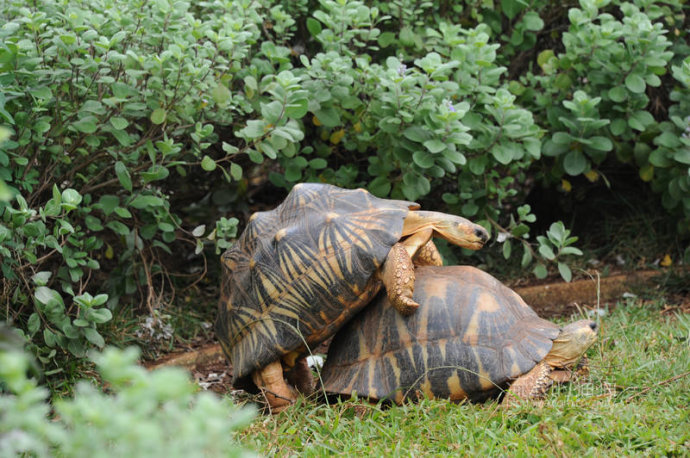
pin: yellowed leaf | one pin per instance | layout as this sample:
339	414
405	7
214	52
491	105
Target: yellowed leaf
337	136
592	175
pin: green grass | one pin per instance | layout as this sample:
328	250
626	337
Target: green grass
631	404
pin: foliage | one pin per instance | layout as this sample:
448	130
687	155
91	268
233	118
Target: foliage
595	98
136	133
101	109
143	414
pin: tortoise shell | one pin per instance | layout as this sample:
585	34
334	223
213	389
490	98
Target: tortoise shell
299	272
470	336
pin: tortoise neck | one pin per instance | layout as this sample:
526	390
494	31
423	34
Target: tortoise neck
419	220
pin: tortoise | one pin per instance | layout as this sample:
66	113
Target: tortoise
300	271
470	338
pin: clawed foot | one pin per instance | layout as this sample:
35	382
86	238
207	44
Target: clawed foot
270	381
405	305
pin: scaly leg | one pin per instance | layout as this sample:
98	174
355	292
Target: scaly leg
532	385
397	275
272	384
301	377
428	255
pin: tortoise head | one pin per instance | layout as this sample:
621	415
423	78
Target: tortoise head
572	342
456	229
460	231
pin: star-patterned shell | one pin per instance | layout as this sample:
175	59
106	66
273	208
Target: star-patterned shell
470	336
299	272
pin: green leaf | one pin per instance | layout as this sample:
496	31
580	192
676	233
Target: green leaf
532	21
507	248
119	123
33	324
659	158
565	272
166	227
540	271
122	212
99	316
386	39
87	124
255	128
423	159
618	94
618	126
93	223
158	116
297	109
318	163
313	26
49	338
208	164
547	252
526	257
41	278
600	143
503	153
293	172
70	199
272	112
117	227
434	145
635	83
406	36
416	134
574	163
94	337
668	140
562	138
123	175
511	8
682	156
639	120
221	95
235	171
328	116
147	201
380	186
48	296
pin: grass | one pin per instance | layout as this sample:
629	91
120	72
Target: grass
635	402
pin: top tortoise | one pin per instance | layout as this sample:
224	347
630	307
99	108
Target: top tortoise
302	270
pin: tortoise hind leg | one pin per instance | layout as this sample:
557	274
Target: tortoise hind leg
300	377
272	384
532	385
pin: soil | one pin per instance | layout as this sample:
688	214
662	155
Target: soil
556	299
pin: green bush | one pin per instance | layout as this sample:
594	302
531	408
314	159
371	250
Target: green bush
142	414
595	99
129	127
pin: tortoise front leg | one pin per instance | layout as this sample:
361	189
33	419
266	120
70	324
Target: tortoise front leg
397	275
532	385
272	384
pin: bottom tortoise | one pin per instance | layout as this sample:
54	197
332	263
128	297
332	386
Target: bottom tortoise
470	338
